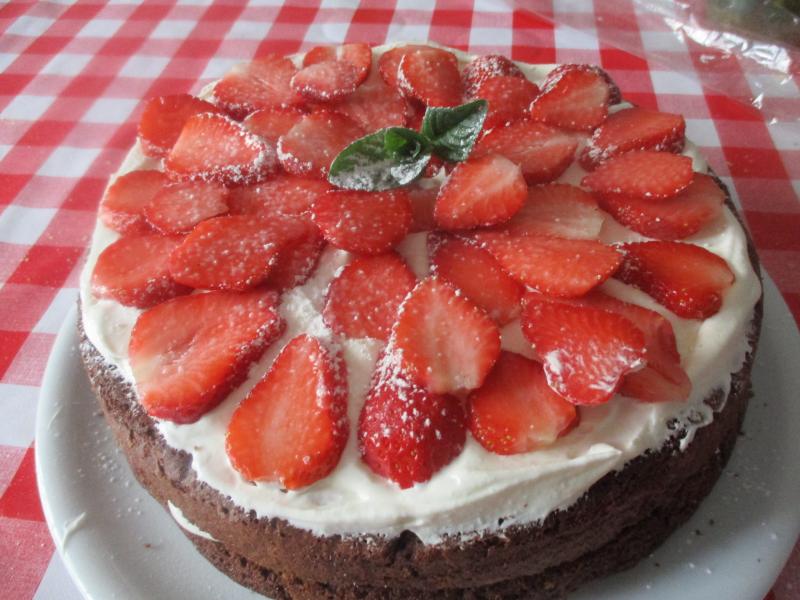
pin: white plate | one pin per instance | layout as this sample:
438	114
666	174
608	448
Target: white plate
127	547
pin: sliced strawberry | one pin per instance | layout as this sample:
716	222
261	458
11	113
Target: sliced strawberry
292	427
163	119
282	195
272	123
542	152
423	203
509	98
358	55
326	81
389	62
559	210
585	350
261	83
671	219
443	341
687	279
634	128
515	411
553	266
375	105
233	252
615	96
431	76
298	259
573	97
216	148
405	433
481	68
643	174
311	145
362	301
122	207
364	222
478	275
188	353
134	271
177	208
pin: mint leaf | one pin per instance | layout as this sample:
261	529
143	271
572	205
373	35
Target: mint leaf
386	159
453	130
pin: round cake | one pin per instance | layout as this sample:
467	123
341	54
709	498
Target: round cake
402	322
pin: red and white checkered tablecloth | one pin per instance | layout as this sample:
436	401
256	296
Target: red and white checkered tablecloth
72	81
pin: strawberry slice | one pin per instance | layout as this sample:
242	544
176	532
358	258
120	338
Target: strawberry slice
671	219
298	259
634	128
553	266
327	81
559	210
272	123
231	253
362	301
423	203
262	83
177	208
687	279
122	207
481	191
615	95
312	144
375	105
478	275
134	271
431	76
406	434
216	148
481	68
443	341
363	222
389	62
509	98
515	411
643	174
542	152
163	119
573	97
292	427
188	353
358	55
282	195
585	350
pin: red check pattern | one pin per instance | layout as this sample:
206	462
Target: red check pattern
72	82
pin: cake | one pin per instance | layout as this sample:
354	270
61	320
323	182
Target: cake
402	322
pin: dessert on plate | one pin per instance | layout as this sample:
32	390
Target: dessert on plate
402	322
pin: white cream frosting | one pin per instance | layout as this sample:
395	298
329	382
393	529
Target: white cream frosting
478	491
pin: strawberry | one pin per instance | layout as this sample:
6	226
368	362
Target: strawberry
431	76
559	210
443	341
585	350
178	207
634	128
231	253
389	62
615	96
553	266
311	145
481	191
573	97
406	434
163	118
671	219
326	81
363	222
515	411
481	68
134	271
423	203
216	148
643	174
375	105
292	427
188	353
509	98
362	301
282	195
272	123
478	275
122	207
358	55
542	152
262	83
297	260
687	279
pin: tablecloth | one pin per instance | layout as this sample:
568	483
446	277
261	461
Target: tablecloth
72	81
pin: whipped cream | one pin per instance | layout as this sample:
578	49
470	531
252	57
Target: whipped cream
479	491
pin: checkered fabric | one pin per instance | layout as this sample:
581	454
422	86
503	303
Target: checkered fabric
73	78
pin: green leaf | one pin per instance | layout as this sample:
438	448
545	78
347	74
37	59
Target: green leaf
386	159
453	130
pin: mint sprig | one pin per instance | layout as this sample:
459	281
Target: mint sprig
453	131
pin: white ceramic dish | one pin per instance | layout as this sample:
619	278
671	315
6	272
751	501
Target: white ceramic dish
117	542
